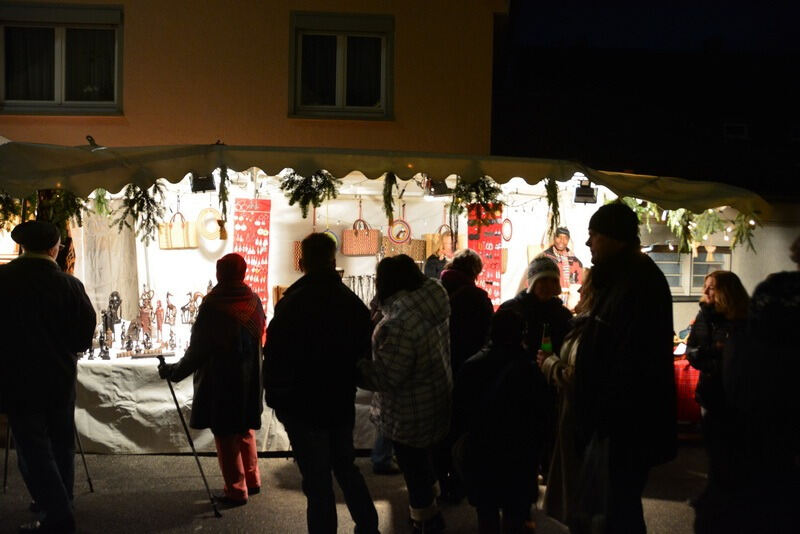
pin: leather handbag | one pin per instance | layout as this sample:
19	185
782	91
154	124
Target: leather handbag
177	233
434	241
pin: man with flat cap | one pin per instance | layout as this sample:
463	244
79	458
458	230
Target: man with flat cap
45	319
569	266
624	378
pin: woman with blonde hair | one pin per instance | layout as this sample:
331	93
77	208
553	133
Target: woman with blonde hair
723	311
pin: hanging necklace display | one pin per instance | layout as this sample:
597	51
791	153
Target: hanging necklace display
399	231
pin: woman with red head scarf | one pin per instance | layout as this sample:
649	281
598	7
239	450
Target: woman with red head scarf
225	356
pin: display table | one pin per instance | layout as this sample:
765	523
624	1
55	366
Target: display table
122	406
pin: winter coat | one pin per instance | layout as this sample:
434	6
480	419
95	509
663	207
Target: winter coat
624	373
709	334
319	331
470	317
535	314
225	358
45	319
410	369
498	401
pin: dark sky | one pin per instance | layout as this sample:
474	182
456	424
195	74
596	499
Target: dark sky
770	27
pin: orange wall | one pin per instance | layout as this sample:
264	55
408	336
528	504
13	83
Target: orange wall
195	71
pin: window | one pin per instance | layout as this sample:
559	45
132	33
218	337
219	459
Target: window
60	59
341	66
684	273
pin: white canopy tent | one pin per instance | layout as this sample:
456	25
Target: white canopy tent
25	167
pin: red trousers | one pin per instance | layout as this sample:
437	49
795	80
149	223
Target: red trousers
238	461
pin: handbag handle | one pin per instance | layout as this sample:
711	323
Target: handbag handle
444	229
360	224
183	219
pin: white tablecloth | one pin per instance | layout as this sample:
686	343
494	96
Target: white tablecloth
122	406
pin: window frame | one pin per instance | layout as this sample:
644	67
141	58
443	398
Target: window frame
341	25
60	18
687	267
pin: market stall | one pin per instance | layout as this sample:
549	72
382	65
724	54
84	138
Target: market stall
122	406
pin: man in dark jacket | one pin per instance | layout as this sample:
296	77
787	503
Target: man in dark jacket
624	378
46	318
319	331
498	403
225	356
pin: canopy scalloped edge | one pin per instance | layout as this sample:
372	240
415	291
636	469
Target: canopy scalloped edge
25	167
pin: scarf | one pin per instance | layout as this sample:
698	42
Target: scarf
237	300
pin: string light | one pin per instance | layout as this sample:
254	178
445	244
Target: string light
752	222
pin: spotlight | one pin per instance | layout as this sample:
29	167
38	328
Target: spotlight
585	193
202	183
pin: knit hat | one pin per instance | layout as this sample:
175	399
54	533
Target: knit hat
36	235
617	221
231	268
542	267
562	231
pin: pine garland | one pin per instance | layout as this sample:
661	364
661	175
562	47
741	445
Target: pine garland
313	190
140	211
223	192
482	196
59	206
678	223
551	188
389	183
743	230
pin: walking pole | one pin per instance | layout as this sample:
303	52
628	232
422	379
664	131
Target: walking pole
191	443
5	464
83	457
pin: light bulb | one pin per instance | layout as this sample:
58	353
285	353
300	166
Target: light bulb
752	222
729	229
664	215
727	238
705	237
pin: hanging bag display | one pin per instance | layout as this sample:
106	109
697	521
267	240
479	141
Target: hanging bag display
398	241
361	240
177	233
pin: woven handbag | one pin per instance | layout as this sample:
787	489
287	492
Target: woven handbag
413	247
176	233
361	240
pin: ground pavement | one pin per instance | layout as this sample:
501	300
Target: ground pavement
165	494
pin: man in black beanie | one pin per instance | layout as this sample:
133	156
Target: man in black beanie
624	378
45	320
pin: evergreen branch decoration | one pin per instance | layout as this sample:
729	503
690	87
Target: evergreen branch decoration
707	223
678	222
102	205
223	192
743	230
141	211
389	183
644	210
551	188
482	196
313	190
59	206
10	211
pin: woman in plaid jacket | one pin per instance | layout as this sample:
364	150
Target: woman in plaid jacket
410	371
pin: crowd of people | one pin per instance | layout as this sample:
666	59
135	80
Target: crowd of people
473	402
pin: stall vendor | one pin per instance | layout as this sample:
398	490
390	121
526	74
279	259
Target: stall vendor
569	266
